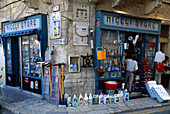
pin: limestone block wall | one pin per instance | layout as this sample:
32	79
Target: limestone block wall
75	83
84	81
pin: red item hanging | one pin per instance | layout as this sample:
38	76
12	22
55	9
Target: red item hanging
160	67
144	61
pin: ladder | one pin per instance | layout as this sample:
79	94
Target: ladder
54	96
46	87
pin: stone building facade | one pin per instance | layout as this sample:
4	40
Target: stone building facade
83	82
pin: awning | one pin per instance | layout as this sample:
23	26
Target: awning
21	33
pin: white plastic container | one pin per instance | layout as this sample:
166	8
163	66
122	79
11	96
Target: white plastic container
101	98
69	101
81	100
90	99
121	96
106	99
117	99
126	96
86	100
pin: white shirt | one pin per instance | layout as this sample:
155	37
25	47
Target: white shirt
131	65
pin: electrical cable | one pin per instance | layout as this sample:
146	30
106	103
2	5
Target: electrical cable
10	4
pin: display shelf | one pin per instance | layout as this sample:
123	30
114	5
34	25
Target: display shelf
9	72
109	79
26	55
74	63
32	77
114	55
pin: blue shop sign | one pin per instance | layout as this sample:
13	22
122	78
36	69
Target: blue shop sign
131	23
23	25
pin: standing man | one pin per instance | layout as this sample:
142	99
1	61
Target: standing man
131	68
166	73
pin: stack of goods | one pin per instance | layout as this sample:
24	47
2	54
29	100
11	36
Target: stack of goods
157	91
122	96
147	74
149	86
160	93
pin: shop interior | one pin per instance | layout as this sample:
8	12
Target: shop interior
119	46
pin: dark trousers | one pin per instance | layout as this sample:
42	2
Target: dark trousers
165	80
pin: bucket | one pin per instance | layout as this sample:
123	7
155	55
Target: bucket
100	72
111	85
101	53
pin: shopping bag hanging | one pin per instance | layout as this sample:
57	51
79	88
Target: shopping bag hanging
101	53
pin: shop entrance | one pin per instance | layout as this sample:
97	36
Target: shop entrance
12	62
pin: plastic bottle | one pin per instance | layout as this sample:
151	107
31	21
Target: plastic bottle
95	99
109	66
75	101
90	99
106	99
86	100
101	98
69	101
117	98
75	67
71	67
81	100
112	99
137	83
126	96
121	96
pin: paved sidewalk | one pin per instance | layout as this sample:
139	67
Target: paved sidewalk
34	105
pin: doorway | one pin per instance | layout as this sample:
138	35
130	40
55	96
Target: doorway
12	62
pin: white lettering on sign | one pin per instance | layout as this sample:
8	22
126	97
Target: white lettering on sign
131	23
24	25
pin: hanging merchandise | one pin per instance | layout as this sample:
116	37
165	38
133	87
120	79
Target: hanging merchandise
136	38
101	53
